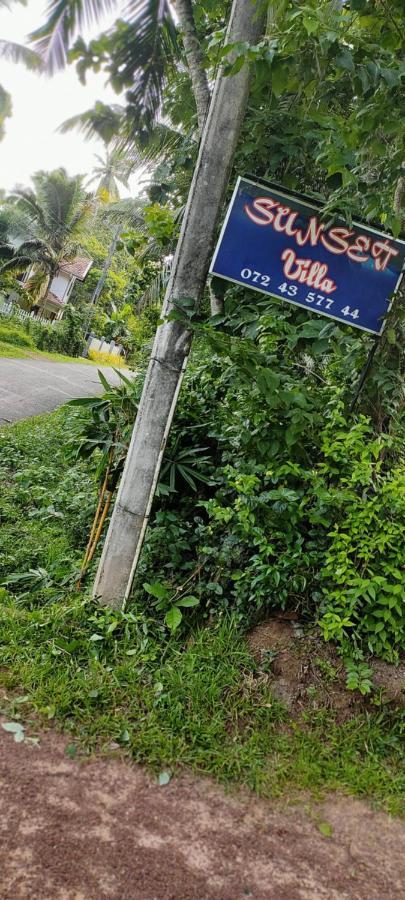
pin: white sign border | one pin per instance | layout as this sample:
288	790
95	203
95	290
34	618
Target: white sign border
288	299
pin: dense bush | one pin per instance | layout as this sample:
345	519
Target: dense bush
131	330
305	503
66	336
273	495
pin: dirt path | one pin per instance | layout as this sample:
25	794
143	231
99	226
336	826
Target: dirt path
72	830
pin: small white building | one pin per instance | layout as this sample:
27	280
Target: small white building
52	304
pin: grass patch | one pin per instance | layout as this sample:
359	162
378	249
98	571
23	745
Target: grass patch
12	352
109	676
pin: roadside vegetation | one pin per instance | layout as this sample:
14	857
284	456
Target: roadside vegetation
188	693
27	340
281	493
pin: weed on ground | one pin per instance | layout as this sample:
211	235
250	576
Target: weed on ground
116	680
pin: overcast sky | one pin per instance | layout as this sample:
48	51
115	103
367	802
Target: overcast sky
41	104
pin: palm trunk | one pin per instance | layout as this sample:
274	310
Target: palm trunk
103	277
106	266
195	60
173	339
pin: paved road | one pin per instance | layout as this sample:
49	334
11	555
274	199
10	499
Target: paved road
32	386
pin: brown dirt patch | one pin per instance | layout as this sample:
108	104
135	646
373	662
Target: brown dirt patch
74	830
305	673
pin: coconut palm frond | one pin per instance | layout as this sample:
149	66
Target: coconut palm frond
29	253
147	56
112	170
102	121
154	293
5	109
26	203
155	147
57	205
128	212
16	53
7	250
65	19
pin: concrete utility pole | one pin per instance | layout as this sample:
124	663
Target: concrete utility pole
172	342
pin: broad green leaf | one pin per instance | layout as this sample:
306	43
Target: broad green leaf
106	384
173	618
156	589
188	601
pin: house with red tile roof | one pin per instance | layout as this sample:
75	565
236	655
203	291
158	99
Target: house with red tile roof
52	304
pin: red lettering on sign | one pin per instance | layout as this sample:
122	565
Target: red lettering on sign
382	252
263	205
356	251
288	226
312	233
266	211
306	271
335	240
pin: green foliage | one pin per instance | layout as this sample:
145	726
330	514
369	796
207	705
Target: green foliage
106	428
304	506
46	506
359	677
363	572
65	337
169	603
15	334
132	330
332	120
160	223
43	230
119	676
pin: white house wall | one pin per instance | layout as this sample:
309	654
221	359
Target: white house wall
60	285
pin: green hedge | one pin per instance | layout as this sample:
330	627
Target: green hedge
15	334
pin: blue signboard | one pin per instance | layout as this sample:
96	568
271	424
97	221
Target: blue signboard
277	244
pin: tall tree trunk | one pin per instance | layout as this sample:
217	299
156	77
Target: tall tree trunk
173	339
106	266
218	289
195	60
103	278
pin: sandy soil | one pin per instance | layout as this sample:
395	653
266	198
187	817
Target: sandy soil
101	828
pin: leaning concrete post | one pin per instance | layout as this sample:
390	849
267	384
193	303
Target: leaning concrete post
172	342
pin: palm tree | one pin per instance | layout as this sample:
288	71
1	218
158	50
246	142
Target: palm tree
147	45
109	173
44	227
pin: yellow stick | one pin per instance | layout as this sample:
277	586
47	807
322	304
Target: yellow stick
93	527
100	528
